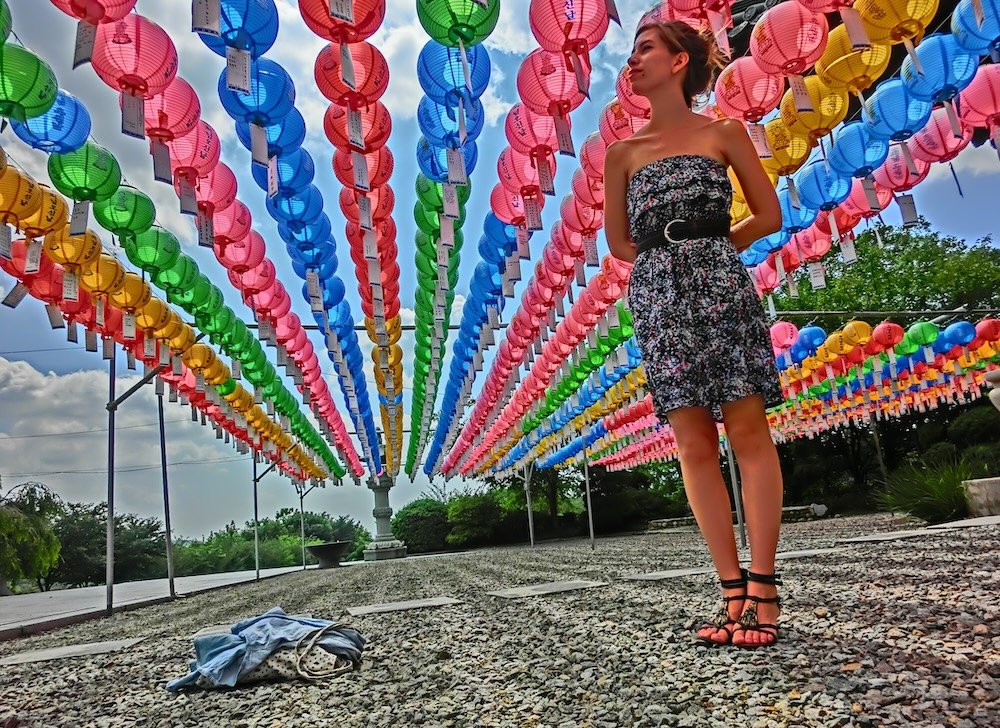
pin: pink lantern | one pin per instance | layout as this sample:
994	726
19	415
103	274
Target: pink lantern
272	302
546	86
582	218
253	281
937	142
745	91
531	133
231	224
896	174
783	335
567	241
572	32
615	124
96	11
633	104
588	190
592	156
518	173
788	39
980	100
766	277
134	55
215	191
195	155
173	112
508	206
844	220
241	255
812	245
858	205
826	6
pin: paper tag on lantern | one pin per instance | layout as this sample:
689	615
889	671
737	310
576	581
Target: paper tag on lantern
847	251
86	34
237	69
205	17
355	129
5	241
492	317
803	102
612	11
911	51
133	116
464	57
563	136
956	127
581	274
312	284
16	295
108	346
206	230
189	202
258	145
908	209
130	359
177	366
855	28
592	339
149	348
507	287
365	213
457	174
911	166
771	310
33	256
369	245
614	319
347	67
89	340
80	217
281	356
447	238
793	193
450	198
374	272
463	132
582	74
272	177
590	249
360	165
164	355
545	182
443	257
532	214
161	162
523	243
817	277
868	184
73	332
622	357
342	10
71	287
759	138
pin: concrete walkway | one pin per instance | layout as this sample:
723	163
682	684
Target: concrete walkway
28	613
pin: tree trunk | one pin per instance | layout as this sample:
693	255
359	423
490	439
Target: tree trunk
552	495
4	589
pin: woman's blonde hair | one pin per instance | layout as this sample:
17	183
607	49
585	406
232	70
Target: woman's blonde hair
705	57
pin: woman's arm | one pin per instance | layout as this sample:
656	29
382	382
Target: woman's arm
615	186
765	212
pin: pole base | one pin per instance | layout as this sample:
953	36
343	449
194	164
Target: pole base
385	550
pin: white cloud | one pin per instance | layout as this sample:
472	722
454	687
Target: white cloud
512	34
495	106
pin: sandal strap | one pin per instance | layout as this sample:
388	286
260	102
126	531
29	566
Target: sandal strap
732	598
765	600
772	579
733	583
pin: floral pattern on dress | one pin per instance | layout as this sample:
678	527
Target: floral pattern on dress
698	320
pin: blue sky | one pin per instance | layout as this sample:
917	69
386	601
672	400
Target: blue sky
50	386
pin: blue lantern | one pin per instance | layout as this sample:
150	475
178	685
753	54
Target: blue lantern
892	112
271	97
297	210
979	39
283	136
439	71
855	152
439	123
63	128
821	187
246	25
755	254
946	68
794	219
433	160
295	170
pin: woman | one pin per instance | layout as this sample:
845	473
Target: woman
698	319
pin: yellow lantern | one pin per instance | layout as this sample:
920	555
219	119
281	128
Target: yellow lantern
152	315
198	357
896	21
854	70
857	333
73	252
829	109
20	196
133	295
789	149
104	275
183	340
51	215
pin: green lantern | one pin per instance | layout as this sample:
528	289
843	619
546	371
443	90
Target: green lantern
127	213
178	278
5	22
27	85
154	250
452	21
431	194
89	173
227	387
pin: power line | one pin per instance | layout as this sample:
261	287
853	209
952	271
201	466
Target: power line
129	469
85	432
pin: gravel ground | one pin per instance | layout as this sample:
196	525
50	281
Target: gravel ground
896	633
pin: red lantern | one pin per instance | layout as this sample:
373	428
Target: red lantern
215	191
531	133
241	255
788	39
96	11
371	75
376	125
615	124
195	154
134	55
380	164
745	91
382	201
546	86
173	112
368	16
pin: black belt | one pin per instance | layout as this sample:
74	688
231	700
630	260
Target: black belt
677	231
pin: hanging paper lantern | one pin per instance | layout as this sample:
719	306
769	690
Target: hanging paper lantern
28	87
794	218
371	75
829	109
440	71
286	134
89	173
368	16
195	154
789	149
376	125
852	69
573	32
892	112
271	97
450	22
614	124
104	276
173	112
632	103
937	142
945	68
980	101
975	36
788	39
20	196
893	21
858	204
440	124
546	86
133	294
896	174
855	152
51	215
153	250
96	11
127	213
246	25
820	186
6	23
744	91
293	172
215	191
134	55
63	128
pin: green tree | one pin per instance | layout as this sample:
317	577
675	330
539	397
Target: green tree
28	546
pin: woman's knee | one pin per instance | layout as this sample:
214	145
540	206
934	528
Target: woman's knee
698	447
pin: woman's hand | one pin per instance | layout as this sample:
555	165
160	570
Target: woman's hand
615	189
765	212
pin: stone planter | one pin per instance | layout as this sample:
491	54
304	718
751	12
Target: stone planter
329	554
983	496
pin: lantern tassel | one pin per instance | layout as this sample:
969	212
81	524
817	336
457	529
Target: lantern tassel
911	51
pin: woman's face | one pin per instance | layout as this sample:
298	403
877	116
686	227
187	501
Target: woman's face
652	64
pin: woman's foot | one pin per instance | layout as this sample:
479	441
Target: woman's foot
758	624
719	630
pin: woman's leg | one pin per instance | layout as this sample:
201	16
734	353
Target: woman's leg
698	446
760	471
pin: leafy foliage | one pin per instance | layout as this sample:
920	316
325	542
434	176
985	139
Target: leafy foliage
423	525
931	491
474	519
28	546
975	426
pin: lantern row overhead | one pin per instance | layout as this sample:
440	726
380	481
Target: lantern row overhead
90	173
453	68
553	80
260	96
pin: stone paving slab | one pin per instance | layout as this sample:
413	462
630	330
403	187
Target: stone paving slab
61	653
807	553
552	587
968	523
890	536
402	606
668	574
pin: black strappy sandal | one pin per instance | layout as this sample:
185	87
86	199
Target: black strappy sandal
722	619
748	620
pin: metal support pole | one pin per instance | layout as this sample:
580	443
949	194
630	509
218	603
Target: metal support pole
737	492
590	509
527	493
166	498
256	521
109	553
302	526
